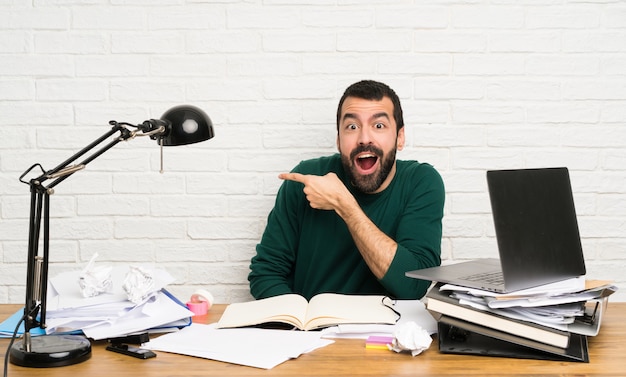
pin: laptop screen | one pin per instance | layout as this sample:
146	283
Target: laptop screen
536	225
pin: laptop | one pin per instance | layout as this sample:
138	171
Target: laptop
536	231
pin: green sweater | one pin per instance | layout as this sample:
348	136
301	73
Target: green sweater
309	251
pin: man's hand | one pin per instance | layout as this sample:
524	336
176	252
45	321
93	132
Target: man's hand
329	193
323	192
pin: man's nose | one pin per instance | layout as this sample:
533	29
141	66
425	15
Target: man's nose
365	136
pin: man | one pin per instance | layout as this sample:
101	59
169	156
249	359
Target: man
356	221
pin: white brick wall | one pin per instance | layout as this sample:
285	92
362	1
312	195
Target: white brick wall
485	85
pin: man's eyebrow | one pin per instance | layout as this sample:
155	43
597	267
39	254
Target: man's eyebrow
348	116
382	114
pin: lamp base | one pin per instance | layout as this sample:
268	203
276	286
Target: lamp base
48	351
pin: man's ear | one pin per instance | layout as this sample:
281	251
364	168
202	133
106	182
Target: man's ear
400	139
337	141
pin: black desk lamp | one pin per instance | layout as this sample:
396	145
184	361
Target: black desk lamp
179	125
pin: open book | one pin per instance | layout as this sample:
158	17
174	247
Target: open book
323	310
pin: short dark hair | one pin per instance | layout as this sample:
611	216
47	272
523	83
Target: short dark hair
374	91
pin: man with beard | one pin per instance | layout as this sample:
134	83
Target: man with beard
356	221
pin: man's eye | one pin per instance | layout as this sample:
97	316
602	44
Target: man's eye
379	125
351	126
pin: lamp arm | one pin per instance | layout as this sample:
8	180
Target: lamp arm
37	266
64	169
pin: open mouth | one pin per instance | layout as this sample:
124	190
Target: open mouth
366	162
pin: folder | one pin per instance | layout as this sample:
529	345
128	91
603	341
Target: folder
7	327
461	337
440	302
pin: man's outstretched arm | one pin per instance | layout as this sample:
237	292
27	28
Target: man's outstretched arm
329	193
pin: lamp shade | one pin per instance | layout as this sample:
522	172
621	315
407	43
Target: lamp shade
186	124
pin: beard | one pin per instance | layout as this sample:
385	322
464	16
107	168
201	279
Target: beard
371	182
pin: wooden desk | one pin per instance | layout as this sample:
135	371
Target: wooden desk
350	358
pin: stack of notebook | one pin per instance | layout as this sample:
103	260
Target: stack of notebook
539	246
541	325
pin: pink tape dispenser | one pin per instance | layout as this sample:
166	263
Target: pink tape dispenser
201	301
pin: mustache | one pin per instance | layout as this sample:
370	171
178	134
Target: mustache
366	148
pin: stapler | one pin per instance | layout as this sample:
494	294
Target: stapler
121	345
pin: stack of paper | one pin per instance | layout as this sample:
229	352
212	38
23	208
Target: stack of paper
545	305
110	314
554	318
410	311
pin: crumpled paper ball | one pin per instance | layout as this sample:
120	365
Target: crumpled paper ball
139	284
411	337
94	280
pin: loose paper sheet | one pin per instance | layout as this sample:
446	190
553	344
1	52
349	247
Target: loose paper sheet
259	348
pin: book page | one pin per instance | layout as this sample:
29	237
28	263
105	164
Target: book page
329	309
290	309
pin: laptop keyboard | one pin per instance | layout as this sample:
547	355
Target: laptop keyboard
489	277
